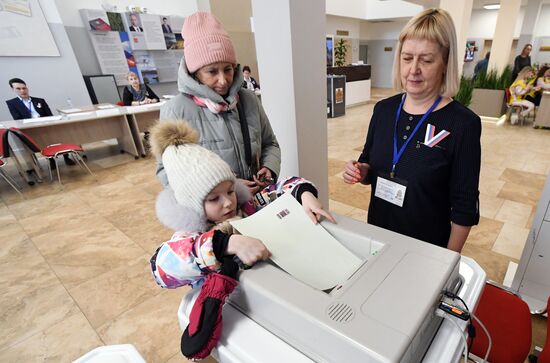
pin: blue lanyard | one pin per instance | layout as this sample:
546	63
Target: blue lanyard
397	155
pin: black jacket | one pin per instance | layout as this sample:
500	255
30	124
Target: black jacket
20	111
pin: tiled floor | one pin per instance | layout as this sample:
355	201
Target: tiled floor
74	262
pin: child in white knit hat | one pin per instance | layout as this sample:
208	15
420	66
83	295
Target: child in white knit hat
202	194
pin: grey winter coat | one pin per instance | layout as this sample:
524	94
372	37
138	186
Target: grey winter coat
221	132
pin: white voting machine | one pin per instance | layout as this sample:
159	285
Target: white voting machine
384	312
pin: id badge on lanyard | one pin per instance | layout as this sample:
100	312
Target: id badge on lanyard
388	187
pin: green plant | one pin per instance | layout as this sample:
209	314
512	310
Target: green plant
464	94
493	80
340	51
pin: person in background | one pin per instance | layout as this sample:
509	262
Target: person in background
136	94
481	66
540	84
249	82
519	90
134	24
523	60
24	106
422	155
166	28
230	119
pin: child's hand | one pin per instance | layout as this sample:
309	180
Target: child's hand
314	209
253	188
249	250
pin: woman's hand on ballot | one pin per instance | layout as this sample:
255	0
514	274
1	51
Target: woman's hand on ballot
314	208
249	250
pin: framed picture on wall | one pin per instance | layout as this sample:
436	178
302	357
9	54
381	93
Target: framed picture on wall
330	50
470	50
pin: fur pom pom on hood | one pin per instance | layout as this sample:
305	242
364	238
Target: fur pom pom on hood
171	132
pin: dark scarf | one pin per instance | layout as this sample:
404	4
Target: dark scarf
138	95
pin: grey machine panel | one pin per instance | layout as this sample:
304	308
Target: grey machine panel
383	313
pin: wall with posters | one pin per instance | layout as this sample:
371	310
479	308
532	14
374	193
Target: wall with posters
54	78
78	32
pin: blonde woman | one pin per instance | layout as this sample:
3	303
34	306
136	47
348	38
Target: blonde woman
519	90
136	94
422	155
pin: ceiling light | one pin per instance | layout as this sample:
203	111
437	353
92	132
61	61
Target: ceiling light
491	6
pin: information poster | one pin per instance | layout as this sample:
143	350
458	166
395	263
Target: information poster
167	63
24	31
110	54
146	66
154	37
95	19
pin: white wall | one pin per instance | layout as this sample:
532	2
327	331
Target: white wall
342	23
483	23
381	31
391	9
68	9
349	8
543	25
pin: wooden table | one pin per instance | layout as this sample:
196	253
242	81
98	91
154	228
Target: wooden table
141	118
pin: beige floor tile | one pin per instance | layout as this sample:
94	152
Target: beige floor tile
105	297
520	193
489	206
511	241
101	248
64	218
493	263
514	213
485	233
490	187
62	342
179	358
357	195
151	326
339	208
523	178
43	205
335	167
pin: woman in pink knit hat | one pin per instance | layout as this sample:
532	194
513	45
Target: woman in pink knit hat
230	119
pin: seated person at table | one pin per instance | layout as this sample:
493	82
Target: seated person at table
136	94
24	106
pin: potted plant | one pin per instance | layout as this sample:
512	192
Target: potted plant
488	94
340	51
464	94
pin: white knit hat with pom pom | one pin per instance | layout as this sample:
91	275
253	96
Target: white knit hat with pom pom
192	170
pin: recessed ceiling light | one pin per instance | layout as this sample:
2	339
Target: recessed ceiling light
491	6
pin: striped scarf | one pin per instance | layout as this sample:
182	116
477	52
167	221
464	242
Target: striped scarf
215	107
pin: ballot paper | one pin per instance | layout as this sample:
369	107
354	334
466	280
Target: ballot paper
304	250
41	119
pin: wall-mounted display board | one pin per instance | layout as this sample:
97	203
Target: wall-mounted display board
24	31
145	44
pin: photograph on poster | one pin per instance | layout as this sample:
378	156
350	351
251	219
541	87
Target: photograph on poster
134	23
115	19
165	24
146	66
128	52
170	40
97	19
179	41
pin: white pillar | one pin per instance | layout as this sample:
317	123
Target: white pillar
460	11
290	46
530	19
504	34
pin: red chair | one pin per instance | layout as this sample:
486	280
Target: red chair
508	320
53	151
4	152
544	356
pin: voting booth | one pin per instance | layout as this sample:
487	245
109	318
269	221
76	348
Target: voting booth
383	312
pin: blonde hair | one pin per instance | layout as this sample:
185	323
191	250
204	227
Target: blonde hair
523	72
437	26
131	74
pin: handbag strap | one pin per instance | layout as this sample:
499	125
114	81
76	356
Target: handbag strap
245	132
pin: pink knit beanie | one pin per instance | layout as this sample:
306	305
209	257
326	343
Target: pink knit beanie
206	42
